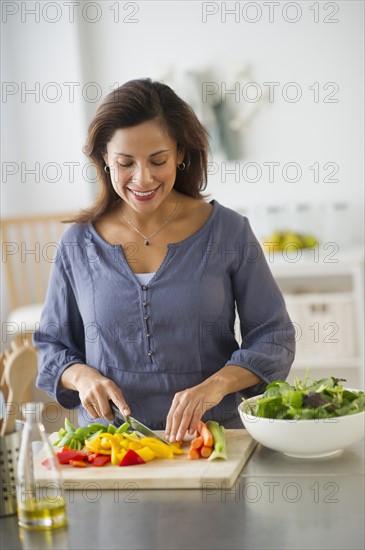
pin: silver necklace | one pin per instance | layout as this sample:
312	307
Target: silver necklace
148	239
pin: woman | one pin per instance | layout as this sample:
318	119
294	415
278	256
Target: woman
142	298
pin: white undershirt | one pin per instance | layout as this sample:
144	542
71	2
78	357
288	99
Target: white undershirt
144	278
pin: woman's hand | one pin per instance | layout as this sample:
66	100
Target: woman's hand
95	390
188	407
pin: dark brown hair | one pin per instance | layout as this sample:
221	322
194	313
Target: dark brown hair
133	103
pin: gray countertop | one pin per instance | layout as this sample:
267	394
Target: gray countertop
277	502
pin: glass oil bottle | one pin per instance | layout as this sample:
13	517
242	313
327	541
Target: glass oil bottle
41	506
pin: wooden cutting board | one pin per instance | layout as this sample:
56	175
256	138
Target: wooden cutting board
177	473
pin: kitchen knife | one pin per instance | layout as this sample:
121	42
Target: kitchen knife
135	424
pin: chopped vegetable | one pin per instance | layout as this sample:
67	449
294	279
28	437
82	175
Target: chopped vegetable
193	454
204	431
146	453
220	440
98	445
78	463
324	398
101	460
123	428
64	457
96	426
161	450
75	438
91	457
176	448
202	445
206	451
197	443
69	426
131	458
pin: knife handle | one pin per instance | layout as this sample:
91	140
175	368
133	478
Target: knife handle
117	412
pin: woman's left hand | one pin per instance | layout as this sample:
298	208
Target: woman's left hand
188	407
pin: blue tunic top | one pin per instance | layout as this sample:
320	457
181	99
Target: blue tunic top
157	339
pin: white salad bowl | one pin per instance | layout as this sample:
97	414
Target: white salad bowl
315	438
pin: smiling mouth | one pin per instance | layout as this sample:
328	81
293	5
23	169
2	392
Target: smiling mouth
143	193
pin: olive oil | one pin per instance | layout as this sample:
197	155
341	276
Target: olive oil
40	507
41	514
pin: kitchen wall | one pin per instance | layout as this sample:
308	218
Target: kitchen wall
302	143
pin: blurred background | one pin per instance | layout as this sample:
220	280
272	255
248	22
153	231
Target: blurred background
280	88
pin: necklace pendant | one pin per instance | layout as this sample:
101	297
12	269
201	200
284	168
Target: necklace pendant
146	242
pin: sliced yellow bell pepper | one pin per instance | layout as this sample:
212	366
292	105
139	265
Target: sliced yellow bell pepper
135	445
116	448
105	443
123	441
98	450
93	445
146	453
176	448
132	437
120	437
160	449
109	441
117	445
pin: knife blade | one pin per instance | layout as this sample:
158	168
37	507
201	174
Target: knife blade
135	424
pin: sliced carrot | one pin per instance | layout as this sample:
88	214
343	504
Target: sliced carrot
206	433
206	451
193	454
197	442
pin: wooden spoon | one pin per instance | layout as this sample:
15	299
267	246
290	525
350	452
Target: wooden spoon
20	369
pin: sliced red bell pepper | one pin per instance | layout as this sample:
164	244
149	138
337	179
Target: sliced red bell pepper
78	463
91	457
131	458
64	457
101	460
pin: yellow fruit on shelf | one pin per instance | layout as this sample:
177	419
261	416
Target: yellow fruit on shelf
289	241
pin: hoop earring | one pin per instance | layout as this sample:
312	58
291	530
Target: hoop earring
106	169
181	166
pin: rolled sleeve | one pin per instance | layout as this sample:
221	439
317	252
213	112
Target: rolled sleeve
268	335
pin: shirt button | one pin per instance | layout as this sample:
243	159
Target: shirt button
148	335
146	317
150	353
145	304
145	288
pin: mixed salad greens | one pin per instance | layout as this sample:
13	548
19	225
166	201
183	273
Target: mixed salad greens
310	399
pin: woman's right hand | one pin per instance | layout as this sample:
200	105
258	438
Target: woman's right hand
95	390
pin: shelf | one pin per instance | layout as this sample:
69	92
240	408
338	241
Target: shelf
323	290
328	363
312	262
329	254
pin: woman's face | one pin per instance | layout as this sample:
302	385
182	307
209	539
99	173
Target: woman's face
143	160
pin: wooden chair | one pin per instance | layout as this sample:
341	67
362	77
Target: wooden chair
29	245
18	367
18	372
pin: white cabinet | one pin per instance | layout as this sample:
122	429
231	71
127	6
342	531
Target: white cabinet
323	289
